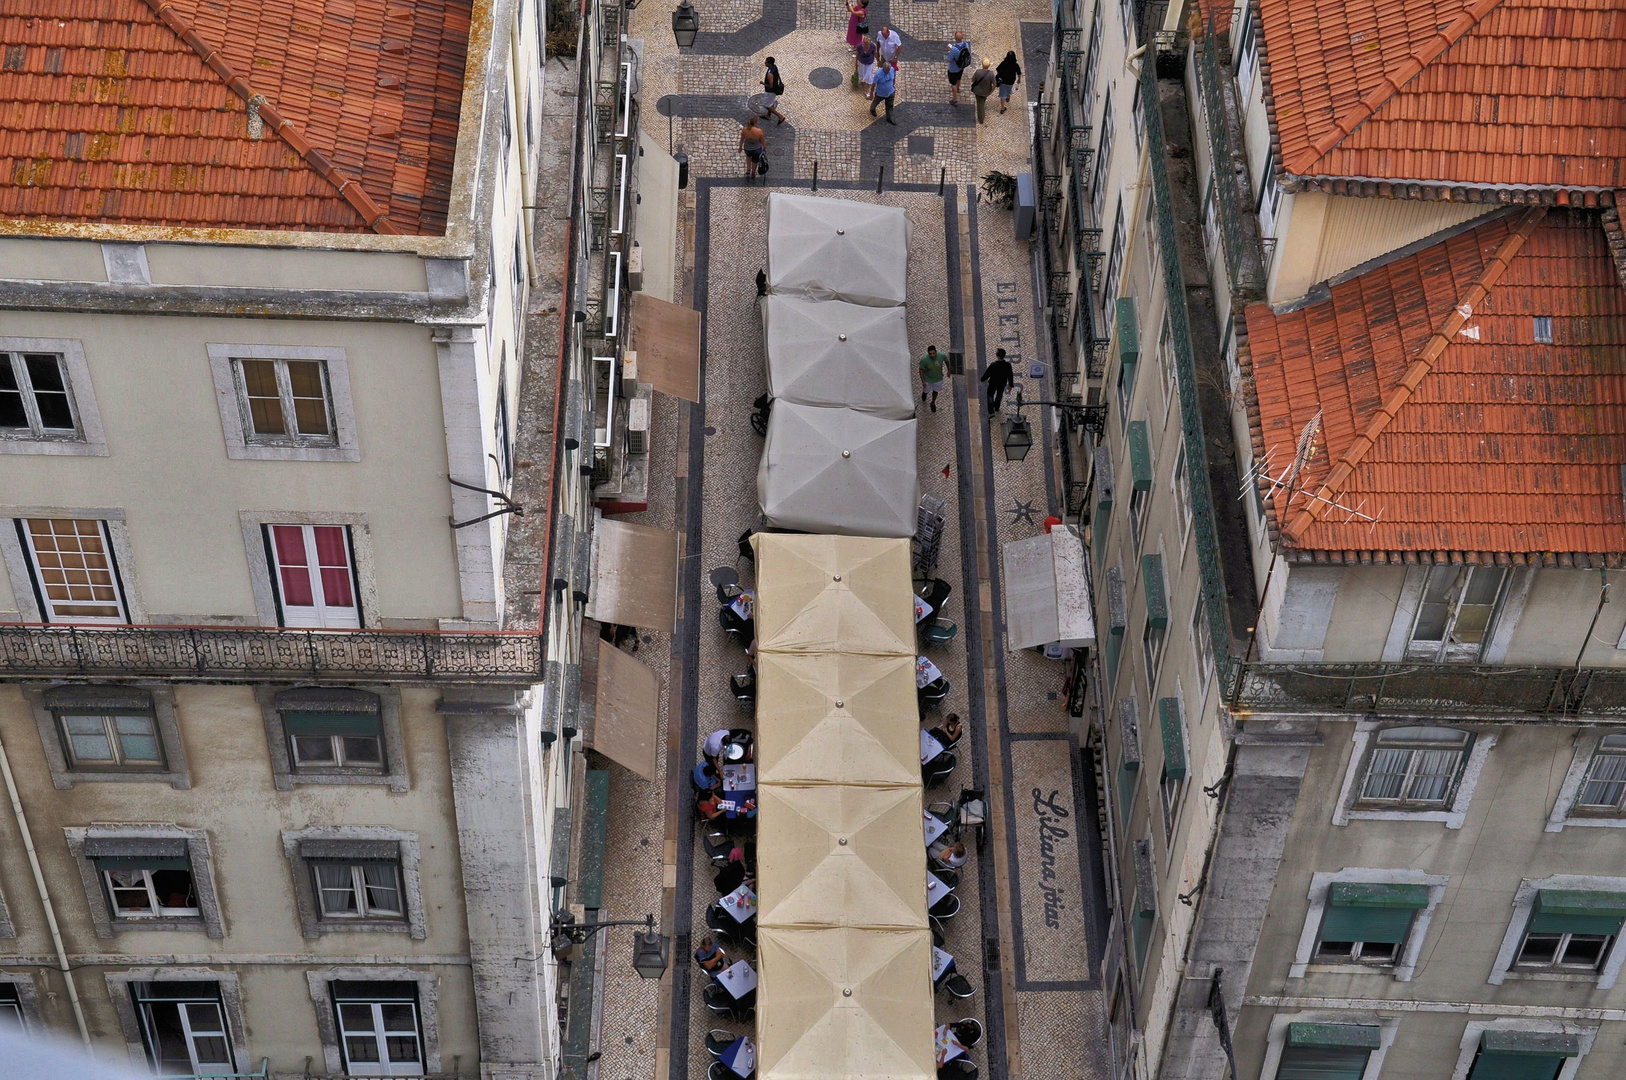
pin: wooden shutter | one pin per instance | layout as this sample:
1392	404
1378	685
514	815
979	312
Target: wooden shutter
1322	1063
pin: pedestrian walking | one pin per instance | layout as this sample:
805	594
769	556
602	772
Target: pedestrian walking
886	88
857	23
754	145
958	54
889	44
931	375
772	87
866	66
999	377
1009	73
982	87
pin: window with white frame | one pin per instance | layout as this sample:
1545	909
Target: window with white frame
75	574
1270	197
1139	499
500	433
357	889
1456	612
1211	231
1126	16
321	742
1368	923
1137	117
1165	366
1570	930
1202	641
1414	767
1092	61
1247	53
1103	163
124	739
1115	263
36	399
380	1029
11	1009
356	878
1321	1051
150	888
1603	789
285	402
1152	641
1172	784
183	1025
314	575
1182	499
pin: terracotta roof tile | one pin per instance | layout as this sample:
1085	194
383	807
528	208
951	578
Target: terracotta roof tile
107	115
1504	446
1459	93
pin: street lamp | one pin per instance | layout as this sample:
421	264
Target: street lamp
685	24
650	950
1018	439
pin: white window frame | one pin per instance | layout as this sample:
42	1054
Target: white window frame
1406	959
320	985
1524	902
1211	227
1475	1029
48	607
321	614
1270	197
1445	651
1247	54
155	910
108	922
1454	742
382	1067
359	889
240	445
1154	644
267	594
1587	745
1202	644
87	438
1276	1037
315	924
1504	622
27	1006
1182	499
1173	805
122	992
1111	285
1103	162
1452	816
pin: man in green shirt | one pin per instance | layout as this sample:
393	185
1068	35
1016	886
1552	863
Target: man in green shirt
931	375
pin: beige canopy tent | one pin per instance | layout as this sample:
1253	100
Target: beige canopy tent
848	594
855	1004
837	719
833	354
838	249
841	856
838	471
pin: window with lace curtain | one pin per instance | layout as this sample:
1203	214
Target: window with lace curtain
1415	767
1604	788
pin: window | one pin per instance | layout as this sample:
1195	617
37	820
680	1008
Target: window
319	741
1143	919
1128	755
75	575
1157	614
1456	612
1118	620
1247	54
109	733
285	402
1523	1055
378	1026
1270	196
1152	640
35	399
11	1008
334	735
1115	262
1103	161
314	575
1140	472
500	434
1182	501
183	1026
1165	366
1171	721
149	888
357	889
1153	252
1368	923
127	740
1571	930
1137	117
1543	329
1605	783
1211	233
1202	642
1327	1051
1126	391
1092	60
1415	767
1126	16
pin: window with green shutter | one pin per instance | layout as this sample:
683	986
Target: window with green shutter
1140	455
335	740
1157	593
1571	929
1129	758
1368	922
1327	1051
1105	486
1117	621
1128	334
1522	1055
1174	738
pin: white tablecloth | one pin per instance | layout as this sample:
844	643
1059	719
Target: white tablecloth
935	889
740	777
741	904
940	963
740	979
947	1046
922	609
926	672
934	826
930	748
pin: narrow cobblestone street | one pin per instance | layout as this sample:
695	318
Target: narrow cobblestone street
1033	918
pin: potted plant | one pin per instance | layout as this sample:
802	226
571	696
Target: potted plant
999	188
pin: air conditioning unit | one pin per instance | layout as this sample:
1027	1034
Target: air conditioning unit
629	374
638	426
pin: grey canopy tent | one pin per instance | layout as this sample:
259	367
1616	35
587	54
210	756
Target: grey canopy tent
836	249
831	353
838	471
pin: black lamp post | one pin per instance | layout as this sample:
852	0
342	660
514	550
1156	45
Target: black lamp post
1018	439
685	24
651	951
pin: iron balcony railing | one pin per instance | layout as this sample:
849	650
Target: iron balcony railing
232	653
1233	187
1435	690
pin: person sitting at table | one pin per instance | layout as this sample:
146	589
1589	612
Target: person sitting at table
710	956
949	732
952	856
711	807
733	875
743	738
706	777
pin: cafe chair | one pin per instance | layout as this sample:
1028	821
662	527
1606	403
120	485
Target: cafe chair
744	547
720	1039
932	693
718	845
951	878
722	925
937	935
761	410
937	631
972	813
942	811
968	1031
744	687
960	987
741	631
938	769
958	1069
726	580
946	908
936	592
747	933
719	1071
744	1013
718	999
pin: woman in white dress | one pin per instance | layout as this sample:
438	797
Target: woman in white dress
866	66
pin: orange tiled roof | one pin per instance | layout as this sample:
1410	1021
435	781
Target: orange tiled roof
135	112
1459	94
1441	414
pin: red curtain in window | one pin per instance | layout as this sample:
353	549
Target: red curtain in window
333	558
294	565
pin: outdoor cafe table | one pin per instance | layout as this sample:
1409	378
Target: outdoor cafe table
926	673
935	889
744	605
741	904
741	1056
739	980
739	784
930	748
942	963
922	609
948	1047
935	826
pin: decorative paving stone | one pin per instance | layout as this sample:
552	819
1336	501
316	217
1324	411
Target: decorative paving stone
826	78
921	145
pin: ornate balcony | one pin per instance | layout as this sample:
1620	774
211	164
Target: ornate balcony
235	653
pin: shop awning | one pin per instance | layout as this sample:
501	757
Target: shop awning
838	249
627	705
840	856
837	719
855	1004
634	575
838	471
1047	591
834	354
667	338
847	594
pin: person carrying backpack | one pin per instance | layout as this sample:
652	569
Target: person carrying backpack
959	58
772	87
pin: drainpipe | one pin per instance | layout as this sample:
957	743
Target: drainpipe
45	897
